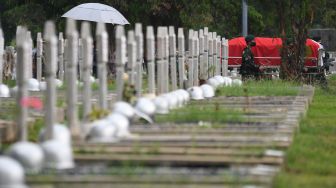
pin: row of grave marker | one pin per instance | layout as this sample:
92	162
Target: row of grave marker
166	64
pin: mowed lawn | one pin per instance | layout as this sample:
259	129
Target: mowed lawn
311	159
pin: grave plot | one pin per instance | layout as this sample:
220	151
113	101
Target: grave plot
210	141
241	150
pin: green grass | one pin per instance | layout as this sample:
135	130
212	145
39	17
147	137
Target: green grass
195	113
261	88
311	159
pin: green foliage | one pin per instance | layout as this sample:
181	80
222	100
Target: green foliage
34	129
195	113
97	113
261	88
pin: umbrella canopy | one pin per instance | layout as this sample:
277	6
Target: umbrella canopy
96	12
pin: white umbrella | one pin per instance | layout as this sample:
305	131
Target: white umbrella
96	12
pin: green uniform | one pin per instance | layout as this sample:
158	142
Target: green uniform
129	93
248	67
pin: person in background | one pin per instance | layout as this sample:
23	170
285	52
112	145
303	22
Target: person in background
248	67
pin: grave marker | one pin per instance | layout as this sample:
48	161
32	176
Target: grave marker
196	59
60	56
120	60
102	58
210	54
159	60
22	45
172	57
71	77
151	59
87	43
225	57
131	56
191	50
50	63
202	73
206	53
39	53
181	57
2	45
218	43
139	41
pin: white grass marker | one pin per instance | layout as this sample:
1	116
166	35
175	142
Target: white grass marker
60	56
172	57
181	57
140	46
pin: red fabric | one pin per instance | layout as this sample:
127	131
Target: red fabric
267	51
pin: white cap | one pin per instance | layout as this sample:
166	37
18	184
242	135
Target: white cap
58	155
208	91
213	82
33	84
220	79
60	133
11	173
161	105
145	106
123	108
227	81
196	93
4	91
30	155
121	123
102	131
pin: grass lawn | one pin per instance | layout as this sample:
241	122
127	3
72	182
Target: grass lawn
261	88
311	159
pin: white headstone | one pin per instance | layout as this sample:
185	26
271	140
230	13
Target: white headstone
210	54
131	57
60	56
30	61
206	53
225	56
202	71
140	46
172	57
120	59
166	60
214	57
218	60
102	58
80	59
87	43
151	58
50	63
71	77
159	60
22	44
39	52
2	46
191	50
181	57
196	60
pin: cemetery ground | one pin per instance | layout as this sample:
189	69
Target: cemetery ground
233	129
